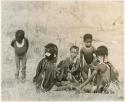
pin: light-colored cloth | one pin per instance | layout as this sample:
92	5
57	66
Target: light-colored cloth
20	45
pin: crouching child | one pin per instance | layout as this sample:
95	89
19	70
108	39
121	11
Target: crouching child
46	69
104	72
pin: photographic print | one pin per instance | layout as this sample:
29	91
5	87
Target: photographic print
62	50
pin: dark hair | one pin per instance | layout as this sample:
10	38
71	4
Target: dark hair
87	36
74	47
102	51
53	50
20	34
52	47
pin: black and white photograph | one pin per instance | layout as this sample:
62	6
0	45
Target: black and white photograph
62	50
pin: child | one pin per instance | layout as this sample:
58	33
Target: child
70	68
46	69
21	45
104	71
87	55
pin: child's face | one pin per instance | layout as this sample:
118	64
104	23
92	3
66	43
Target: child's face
19	40
102	58
73	53
88	43
19	37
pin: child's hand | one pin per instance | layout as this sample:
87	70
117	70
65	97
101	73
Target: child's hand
77	90
69	76
81	80
91	66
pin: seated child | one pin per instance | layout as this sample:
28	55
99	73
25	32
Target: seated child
104	72
46	69
70	70
87	55
20	45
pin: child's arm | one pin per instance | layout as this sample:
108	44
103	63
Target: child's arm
12	43
81	58
94	50
27	42
88	80
38	70
61	70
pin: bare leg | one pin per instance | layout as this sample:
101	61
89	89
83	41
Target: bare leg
17	59
24	60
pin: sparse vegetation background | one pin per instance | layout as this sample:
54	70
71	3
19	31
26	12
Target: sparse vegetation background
63	23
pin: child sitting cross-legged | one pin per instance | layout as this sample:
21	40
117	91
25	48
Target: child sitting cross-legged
69	74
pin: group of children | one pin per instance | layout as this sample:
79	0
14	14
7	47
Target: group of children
89	71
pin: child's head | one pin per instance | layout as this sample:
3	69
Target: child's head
74	51
51	51
87	38
102	53
19	35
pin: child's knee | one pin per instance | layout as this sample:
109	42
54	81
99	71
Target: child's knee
23	68
84	75
17	63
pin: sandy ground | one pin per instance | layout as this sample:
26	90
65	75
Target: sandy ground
63	24
15	90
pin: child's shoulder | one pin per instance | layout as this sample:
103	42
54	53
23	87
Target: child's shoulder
14	40
102	67
84	48
43	60
26	39
64	62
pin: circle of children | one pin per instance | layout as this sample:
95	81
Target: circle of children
91	72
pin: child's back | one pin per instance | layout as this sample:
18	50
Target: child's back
103	74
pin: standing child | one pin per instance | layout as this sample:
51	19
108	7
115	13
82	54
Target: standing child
106	75
20	45
87	55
